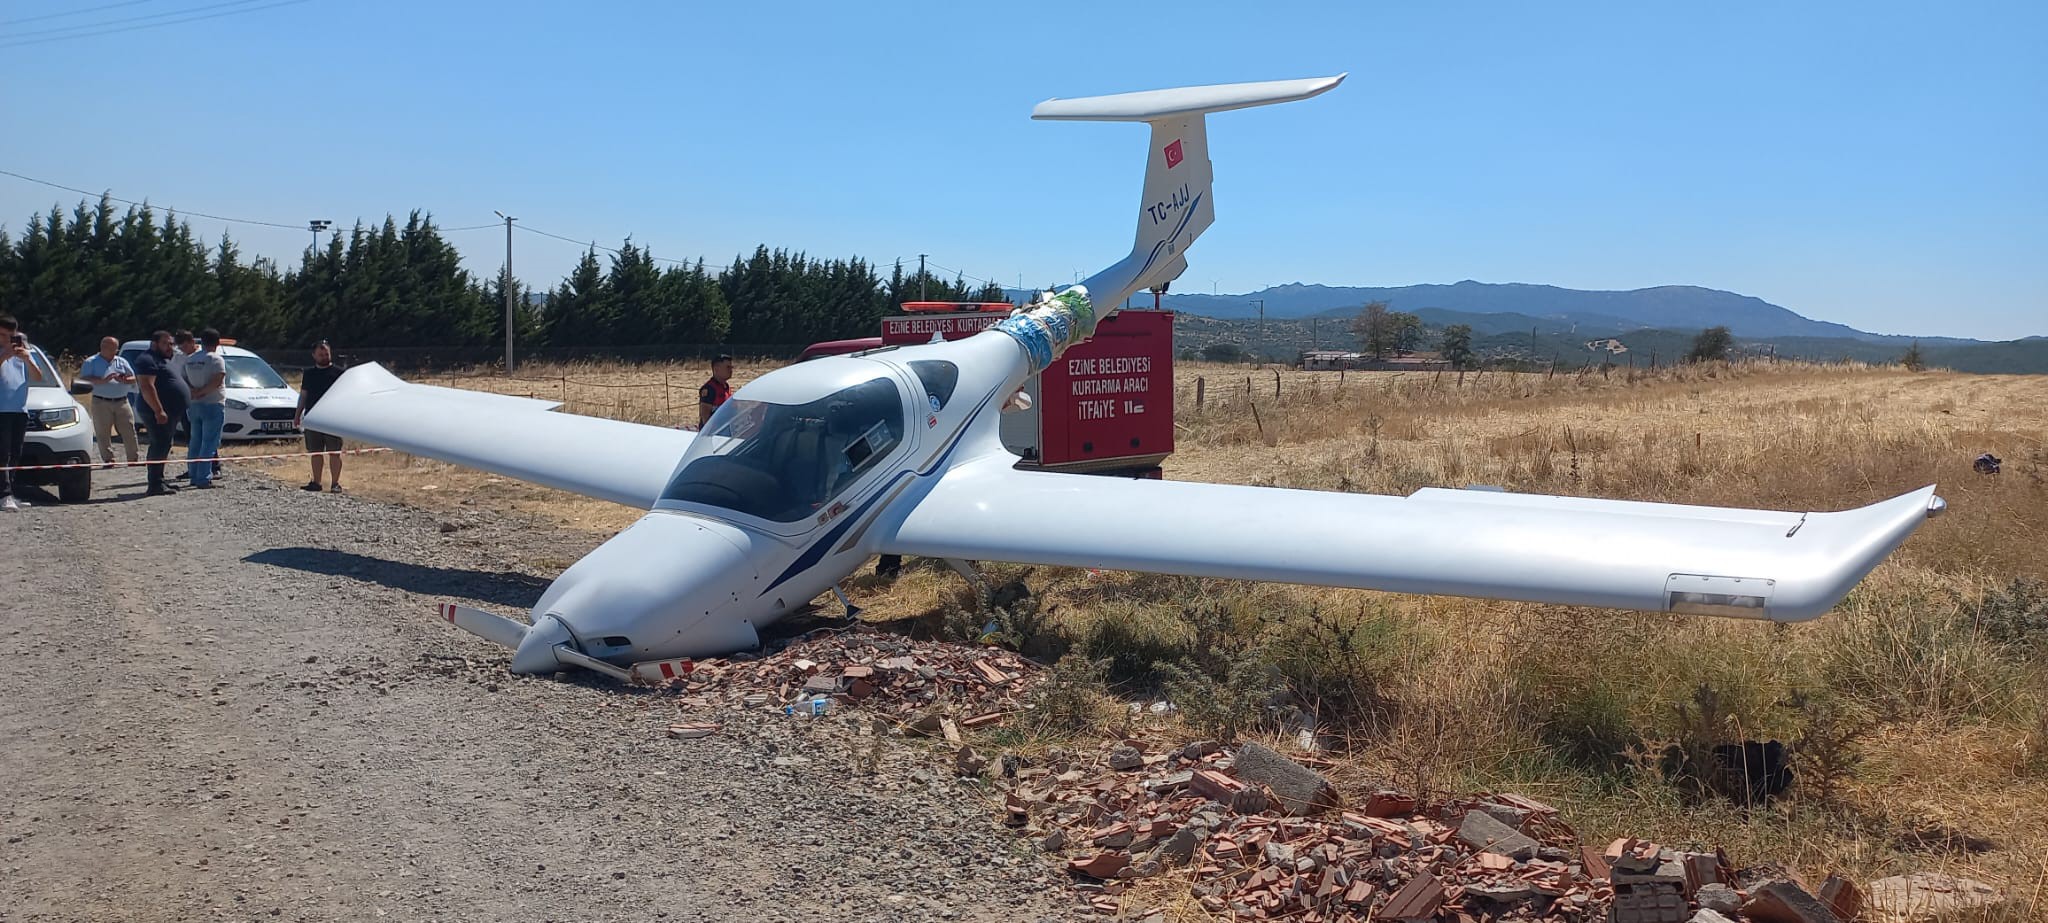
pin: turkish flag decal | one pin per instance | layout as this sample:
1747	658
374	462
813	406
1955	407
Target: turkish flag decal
1173	154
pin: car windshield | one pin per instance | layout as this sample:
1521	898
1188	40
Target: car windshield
252	372
784	462
49	379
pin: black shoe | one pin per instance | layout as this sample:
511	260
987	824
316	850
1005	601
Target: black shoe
160	490
181	477
313	486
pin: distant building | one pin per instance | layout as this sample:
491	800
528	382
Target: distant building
1330	360
1610	345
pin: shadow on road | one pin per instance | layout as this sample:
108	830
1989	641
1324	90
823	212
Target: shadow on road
503	588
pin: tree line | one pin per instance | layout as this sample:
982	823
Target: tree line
96	271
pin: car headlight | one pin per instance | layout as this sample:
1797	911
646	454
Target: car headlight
237	405
55	419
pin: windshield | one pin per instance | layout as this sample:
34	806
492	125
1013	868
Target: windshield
49	379
251	372
784	462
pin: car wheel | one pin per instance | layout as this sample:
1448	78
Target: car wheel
75	486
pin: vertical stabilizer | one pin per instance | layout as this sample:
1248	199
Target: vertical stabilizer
1177	205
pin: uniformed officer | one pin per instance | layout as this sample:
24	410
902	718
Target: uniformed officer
716	390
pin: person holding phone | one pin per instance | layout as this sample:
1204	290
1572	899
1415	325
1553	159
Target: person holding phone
16	371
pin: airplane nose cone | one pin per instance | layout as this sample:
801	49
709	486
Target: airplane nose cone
536	653
671	585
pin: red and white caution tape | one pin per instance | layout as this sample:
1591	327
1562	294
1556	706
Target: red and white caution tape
182	461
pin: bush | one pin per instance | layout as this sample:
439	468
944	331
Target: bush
1225	707
1914	655
2014	616
1337	667
1070	700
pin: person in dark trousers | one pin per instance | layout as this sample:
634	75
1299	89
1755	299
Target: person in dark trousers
312	388
17	369
164	390
716	389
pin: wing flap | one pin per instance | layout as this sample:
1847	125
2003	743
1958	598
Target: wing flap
520	438
1565	550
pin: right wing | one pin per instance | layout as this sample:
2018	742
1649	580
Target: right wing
518	437
1490	544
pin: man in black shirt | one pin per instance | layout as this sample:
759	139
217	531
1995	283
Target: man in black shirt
312	388
167	396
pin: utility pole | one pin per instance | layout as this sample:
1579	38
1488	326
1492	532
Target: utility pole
507	285
920	277
316	226
1261	302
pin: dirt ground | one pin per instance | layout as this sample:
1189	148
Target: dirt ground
238	705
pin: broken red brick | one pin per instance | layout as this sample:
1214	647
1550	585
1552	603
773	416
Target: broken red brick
1417	901
989	673
1594	863
1784	901
1102	865
1842	896
1388	804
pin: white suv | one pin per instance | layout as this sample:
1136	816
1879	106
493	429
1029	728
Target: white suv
260	405
59	433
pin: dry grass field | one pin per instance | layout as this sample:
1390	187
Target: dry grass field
1919	709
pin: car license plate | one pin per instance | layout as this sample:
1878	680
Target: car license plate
277	427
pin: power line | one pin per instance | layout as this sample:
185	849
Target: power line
192	214
89	9
116	22
148	25
115	198
965	275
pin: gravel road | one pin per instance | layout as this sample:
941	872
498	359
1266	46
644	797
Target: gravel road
237	705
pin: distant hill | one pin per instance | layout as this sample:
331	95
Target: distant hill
1666	307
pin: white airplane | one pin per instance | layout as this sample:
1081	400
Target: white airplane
812	469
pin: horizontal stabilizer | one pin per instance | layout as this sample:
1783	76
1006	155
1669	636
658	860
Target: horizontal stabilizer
1150	105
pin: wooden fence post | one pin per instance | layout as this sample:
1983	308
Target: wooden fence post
1276	384
1201	391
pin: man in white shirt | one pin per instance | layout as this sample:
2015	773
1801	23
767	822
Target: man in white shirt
112	380
207	374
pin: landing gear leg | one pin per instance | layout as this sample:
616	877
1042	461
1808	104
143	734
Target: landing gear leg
851	609
971	574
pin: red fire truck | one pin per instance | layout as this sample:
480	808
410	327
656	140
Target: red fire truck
1103	407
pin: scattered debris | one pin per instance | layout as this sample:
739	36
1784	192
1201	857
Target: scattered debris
1986	463
877	670
691	731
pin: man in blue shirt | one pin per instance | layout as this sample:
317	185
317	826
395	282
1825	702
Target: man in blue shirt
16	371
164	390
112	380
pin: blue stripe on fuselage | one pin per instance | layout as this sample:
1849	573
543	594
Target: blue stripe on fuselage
818	549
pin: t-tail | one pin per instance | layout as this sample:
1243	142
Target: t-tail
1177	207
1179	203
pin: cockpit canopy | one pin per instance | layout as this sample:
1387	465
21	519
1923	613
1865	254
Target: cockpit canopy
785	462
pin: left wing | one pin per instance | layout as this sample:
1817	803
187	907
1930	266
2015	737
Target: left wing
1482	543
518	437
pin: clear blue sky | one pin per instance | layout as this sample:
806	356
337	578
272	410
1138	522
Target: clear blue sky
1883	165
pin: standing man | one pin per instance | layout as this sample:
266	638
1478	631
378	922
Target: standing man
716	391
312	388
186	344
16	371
112	380
206	373
167	396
